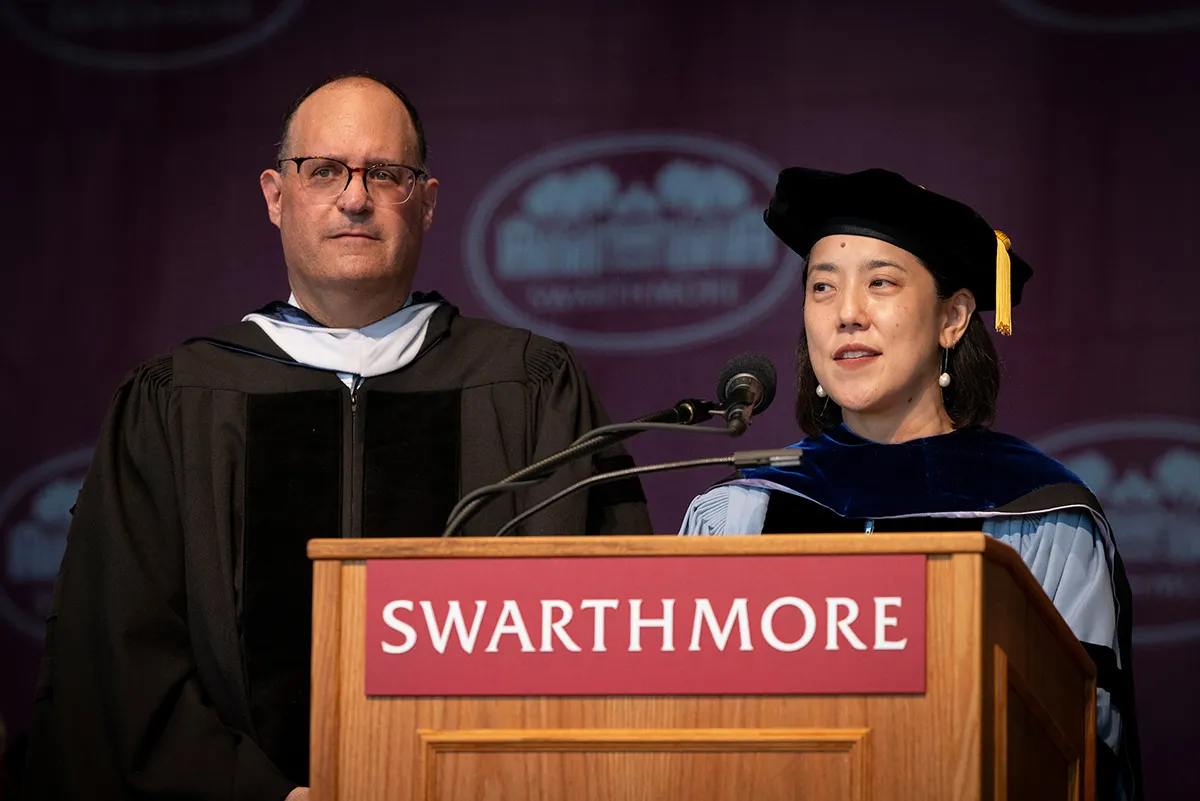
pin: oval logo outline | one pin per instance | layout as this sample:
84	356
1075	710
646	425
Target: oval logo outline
126	61
76	461
482	211
1132	429
1047	15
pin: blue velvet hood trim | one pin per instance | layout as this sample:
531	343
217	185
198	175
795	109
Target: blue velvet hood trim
969	470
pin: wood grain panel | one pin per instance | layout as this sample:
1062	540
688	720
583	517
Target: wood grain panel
644	739
1037	662
611	764
326	675
1034	758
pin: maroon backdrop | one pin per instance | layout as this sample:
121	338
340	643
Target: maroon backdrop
602	170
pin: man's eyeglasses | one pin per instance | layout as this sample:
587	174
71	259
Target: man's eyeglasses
324	179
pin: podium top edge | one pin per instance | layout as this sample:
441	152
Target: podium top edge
652	545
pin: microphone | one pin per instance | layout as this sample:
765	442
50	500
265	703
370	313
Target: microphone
746	387
775	457
752	370
687	412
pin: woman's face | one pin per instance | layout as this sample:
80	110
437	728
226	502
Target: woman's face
875	325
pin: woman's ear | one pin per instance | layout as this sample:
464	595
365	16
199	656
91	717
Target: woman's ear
957	311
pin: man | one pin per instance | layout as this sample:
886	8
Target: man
177	652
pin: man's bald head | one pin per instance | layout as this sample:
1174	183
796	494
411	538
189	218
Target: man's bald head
285	136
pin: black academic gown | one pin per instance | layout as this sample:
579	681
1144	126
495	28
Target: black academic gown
177	649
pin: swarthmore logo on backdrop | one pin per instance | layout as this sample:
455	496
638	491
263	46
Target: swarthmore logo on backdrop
629	242
145	35
1111	16
34	518
646	625
1146	474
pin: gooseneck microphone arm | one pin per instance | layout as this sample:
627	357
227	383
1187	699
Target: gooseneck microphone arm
783	457
745	387
677	418
686	413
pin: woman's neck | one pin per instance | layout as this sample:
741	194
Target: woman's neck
926	419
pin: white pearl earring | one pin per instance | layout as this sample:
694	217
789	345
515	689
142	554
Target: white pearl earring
821	391
944	378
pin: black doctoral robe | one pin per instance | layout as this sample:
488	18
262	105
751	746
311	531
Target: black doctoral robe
177	649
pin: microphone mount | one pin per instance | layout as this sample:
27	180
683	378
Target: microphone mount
778	457
680	417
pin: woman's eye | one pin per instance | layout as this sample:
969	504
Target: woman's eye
820	287
881	282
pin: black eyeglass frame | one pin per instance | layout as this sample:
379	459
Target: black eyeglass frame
418	174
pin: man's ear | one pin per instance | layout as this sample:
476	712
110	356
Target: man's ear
272	188
957	309
428	202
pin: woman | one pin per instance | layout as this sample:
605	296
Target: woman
897	387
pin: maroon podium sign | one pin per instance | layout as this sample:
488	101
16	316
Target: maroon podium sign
646	625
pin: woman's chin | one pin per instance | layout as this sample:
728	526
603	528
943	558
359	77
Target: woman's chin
856	403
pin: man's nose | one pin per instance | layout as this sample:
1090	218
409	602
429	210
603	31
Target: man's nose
355	199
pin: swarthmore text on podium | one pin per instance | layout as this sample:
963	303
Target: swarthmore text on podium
842	625
658	625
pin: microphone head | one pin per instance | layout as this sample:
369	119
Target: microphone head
754	364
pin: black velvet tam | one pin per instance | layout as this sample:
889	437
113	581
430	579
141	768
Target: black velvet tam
955	242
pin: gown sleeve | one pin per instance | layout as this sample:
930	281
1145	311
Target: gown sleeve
728	510
119	711
566	407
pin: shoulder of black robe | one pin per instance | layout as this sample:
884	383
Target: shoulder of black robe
943	483
566	408
119	712
479	360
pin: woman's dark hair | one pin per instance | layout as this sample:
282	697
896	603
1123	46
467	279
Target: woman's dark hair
970	399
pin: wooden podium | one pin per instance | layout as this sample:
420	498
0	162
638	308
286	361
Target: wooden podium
1008	709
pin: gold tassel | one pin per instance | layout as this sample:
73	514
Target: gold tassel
1003	284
